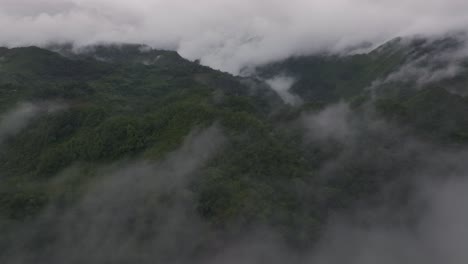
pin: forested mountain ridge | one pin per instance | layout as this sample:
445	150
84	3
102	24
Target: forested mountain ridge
125	146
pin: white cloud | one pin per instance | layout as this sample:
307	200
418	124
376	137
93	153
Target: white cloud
282	85
227	34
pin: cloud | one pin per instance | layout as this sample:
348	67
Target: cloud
425	225
336	122
18	118
145	212
140	212
437	237
437	63
282	85
228	34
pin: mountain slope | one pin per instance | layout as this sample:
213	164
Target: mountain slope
175	161
327	78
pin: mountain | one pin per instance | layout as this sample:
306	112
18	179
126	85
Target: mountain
401	76
139	154
329	77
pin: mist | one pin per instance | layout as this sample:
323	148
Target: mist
282	85
228	35
437	237
16	119
373	190
145	211
445	61
133	212
20	116
419	214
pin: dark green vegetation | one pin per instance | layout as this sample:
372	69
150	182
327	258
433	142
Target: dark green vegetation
329	78
393	78
114	104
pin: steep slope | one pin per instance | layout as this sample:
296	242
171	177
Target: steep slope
424	80
125	147
131	111
328	78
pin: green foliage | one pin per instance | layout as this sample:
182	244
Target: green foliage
433	112
64	91
325	78
22	204
109	110
132	104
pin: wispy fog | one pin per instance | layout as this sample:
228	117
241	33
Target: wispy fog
18	118
145	212
282	85
139	212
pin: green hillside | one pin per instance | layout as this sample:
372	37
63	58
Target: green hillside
70	119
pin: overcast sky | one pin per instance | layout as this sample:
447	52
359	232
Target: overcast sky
227	34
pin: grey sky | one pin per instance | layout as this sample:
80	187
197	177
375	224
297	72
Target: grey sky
228	34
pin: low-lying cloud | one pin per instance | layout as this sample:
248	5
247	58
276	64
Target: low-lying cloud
228	34
282	85
19	117
427	226
16	119
438	236
145	212
141	212
440	62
